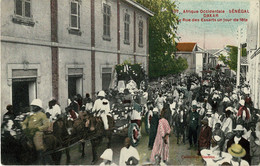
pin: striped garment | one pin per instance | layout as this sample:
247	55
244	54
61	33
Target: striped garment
159	148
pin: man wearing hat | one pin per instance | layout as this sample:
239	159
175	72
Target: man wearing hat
107	157
193	125
238	139
98	103
238	153
35	124
204	136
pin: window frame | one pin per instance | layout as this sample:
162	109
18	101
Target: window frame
23	8
127	31
106	22
106	69
23	19
75	15
141	35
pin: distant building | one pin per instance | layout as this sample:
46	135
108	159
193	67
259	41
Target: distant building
60	48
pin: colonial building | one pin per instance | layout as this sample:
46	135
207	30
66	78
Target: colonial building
195	56
60	48
188	51
253	49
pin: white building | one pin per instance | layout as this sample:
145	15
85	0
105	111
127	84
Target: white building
253	43
59	48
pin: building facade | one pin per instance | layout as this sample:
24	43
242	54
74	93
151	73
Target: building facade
188	50
195	56
253	49
60	48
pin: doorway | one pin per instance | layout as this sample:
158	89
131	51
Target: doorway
74	86
23	92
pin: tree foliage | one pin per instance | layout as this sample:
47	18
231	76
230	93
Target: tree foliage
231	60
162	32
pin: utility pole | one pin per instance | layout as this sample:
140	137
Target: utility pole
238	56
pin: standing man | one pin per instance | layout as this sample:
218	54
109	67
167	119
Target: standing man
193	126
35	124
180	123
161	144
153	128
205	136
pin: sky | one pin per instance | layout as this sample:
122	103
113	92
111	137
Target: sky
212	34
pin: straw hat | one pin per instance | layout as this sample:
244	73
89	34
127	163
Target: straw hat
239	128
107	154
237	150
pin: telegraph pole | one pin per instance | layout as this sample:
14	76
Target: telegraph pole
238	56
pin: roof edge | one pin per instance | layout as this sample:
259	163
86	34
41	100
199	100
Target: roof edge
141	7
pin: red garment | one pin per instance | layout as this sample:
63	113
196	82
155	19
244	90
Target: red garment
73	114
205	137
240	111
159	147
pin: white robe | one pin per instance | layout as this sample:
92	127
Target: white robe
125	154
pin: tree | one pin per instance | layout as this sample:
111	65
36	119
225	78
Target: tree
162	34
231	60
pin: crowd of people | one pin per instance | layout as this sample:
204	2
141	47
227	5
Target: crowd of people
217	118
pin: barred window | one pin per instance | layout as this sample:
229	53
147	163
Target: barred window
74	15
106	21
127	25
141	33
23	8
